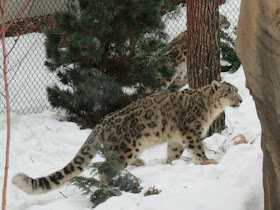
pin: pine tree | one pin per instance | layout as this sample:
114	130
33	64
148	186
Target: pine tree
228	52
170	6
99	47
115	182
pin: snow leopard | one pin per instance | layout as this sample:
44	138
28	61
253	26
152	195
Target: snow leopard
181	119
176	53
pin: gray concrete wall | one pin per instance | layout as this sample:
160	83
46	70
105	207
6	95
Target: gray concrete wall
35	8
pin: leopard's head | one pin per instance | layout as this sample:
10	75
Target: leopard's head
226	94
223	22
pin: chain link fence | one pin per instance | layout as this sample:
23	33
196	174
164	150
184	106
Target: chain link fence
28	77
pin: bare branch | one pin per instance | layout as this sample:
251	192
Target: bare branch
63	195
15	42
2	94
18	15
211	150
21	60
4	193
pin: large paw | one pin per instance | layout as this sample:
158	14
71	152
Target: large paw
208	161
138	162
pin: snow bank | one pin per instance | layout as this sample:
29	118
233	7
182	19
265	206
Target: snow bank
42	143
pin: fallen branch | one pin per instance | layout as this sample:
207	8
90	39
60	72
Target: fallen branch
242	139
211	150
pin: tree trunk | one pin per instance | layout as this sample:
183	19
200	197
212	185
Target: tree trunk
258	47
203	42
168	4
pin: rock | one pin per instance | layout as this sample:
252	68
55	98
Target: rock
258	47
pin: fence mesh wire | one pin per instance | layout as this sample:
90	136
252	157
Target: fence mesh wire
27	75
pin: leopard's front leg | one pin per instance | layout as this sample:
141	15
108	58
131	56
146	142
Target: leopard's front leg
194	145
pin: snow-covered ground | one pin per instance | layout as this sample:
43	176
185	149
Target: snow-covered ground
42	143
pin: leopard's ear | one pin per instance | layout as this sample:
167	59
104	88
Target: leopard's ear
216	85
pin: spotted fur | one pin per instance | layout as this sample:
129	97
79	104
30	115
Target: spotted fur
180	118
176	54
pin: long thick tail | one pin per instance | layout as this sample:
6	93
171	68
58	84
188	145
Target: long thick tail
55	180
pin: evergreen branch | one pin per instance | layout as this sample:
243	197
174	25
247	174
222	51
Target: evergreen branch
135	177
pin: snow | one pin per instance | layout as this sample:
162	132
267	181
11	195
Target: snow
43	143
28	77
